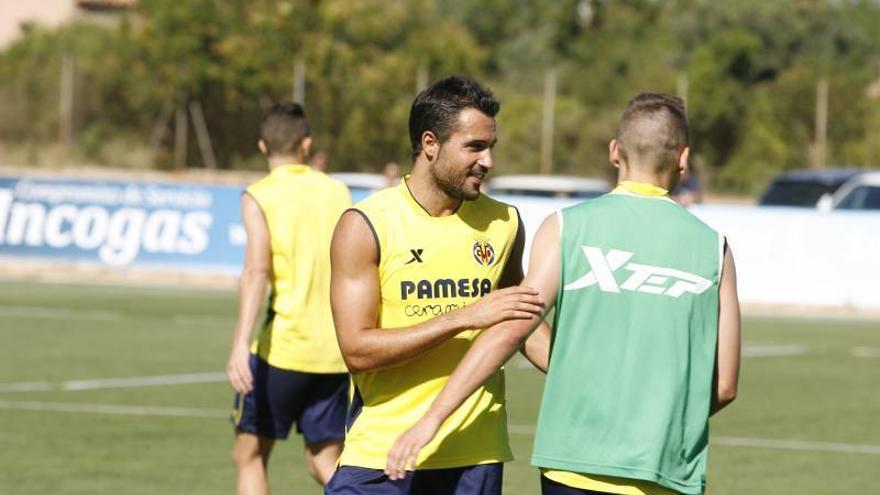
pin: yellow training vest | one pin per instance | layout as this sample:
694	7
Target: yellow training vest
301	208
429	266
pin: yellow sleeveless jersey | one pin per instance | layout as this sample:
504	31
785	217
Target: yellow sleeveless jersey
429	266
301	208
606	484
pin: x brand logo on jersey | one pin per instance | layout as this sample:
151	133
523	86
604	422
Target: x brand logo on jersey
644	278
417	256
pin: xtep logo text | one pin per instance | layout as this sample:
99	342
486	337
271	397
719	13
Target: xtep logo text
643	278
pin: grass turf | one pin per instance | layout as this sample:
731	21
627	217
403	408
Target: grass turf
821	392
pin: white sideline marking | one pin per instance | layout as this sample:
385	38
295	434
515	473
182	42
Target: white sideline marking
179	412
749	351
773	350
104	383
58	313
49	312
26	387
767	443
191	412
144	381
204	320
849	448
865	352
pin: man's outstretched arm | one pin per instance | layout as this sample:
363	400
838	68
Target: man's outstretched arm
488	353
355	299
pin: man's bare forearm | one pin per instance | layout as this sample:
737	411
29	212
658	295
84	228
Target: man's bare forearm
536	348
386	347
251	289
490	351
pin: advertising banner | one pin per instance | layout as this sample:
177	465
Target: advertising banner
123	224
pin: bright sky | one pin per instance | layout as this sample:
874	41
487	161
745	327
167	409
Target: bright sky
47	12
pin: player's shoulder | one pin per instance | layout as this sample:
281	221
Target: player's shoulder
261	184
329	183
598	203
695	222
383	200
326	179
495	208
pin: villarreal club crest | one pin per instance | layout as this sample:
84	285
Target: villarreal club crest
483	252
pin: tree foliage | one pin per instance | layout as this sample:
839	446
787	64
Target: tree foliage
750	68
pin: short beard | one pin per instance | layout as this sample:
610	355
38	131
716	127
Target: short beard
447	184
452	189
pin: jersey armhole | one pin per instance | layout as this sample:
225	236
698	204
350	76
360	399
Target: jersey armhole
519	225
561	289
559	217
372	229
262	213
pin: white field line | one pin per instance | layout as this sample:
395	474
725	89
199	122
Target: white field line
190	412
204	320
105	383
177	412
748	351
55	313
59	313
849	448
144	381
767	443
772	350
26	387
865	352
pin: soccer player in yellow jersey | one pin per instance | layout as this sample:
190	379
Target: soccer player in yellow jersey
416	273
643	352
293	372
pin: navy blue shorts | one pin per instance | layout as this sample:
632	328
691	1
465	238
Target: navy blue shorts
482	479
316	402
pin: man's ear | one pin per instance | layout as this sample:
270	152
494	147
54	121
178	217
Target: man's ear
264	149
305	147
683	160
430	145
613	153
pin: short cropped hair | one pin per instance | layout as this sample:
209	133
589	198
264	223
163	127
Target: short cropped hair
436	109
284	126
653	130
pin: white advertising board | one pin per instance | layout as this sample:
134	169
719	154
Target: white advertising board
788	256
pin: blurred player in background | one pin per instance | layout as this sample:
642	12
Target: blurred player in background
646	337
391	172
293	372
415	273
320	162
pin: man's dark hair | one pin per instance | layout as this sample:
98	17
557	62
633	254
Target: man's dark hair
436	109
284	127
653	130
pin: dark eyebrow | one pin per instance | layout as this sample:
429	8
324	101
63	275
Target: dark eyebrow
481	142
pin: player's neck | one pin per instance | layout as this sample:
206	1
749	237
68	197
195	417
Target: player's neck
436	202
662	179
281	160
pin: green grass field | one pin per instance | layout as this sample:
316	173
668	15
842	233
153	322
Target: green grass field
807	420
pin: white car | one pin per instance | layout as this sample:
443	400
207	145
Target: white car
547	186
859	193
